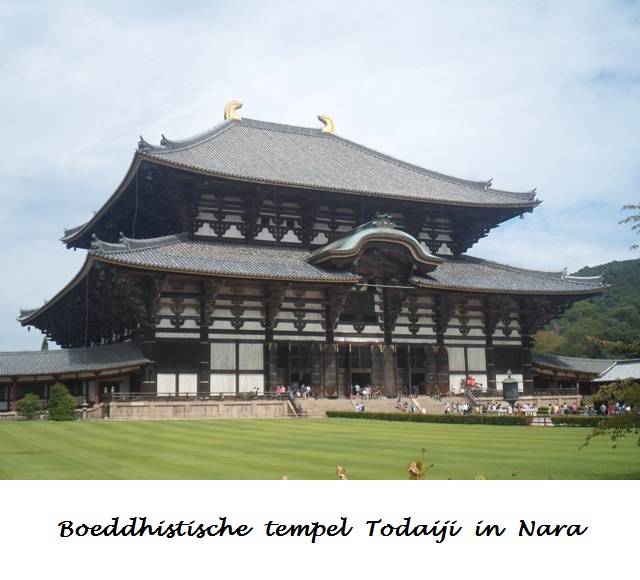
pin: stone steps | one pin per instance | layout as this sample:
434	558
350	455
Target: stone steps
316	408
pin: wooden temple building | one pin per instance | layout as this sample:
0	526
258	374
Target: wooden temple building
258	254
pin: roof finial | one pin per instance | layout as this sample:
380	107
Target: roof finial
230	111
329	125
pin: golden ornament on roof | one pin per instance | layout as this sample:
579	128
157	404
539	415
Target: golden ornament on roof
230	111
329	125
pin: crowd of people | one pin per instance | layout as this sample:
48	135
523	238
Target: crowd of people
297	390
366	392
462	408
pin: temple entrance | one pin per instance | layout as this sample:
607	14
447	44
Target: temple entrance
361	378
298	379
419	380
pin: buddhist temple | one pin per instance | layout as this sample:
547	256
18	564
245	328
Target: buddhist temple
258	254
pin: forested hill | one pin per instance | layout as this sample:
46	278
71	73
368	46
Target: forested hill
606	326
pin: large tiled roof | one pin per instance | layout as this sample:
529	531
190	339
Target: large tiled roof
303	157
569	363
180	254
474	274
58	362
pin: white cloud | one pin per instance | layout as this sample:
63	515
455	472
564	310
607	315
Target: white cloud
539	94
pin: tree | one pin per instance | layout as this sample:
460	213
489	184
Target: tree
45	344
61	405
549	341
29	406
627	393
632	219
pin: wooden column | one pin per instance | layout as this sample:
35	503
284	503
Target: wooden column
526	329
148	384
272	366
96	387
13	397
389	374
491	363
316	369
377	377
204	371
330	370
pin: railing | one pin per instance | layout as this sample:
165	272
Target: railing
471	399
295	404
551	392
148	397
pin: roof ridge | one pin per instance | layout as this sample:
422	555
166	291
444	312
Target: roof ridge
126	244
176	144
557	274
167	145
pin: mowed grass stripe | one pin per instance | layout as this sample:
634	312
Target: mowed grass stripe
309	449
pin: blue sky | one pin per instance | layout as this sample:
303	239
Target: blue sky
534	94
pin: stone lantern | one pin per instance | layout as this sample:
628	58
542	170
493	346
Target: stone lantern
510	389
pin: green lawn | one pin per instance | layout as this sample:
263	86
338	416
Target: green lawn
306	449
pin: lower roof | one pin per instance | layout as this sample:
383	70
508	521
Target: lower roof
605	370
620	370
78	360
478	275
568	363
183	255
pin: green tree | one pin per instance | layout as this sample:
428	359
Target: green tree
61	405
45	344
632	219
549	341
604	326
29	406
627	393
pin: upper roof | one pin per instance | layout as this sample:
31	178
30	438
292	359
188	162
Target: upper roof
270	153
303	157
58	362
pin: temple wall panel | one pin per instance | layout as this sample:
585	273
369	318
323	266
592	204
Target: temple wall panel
177	334
249	381
457	360
223	356
252	325
235	335
477	359
300	337
166	383
187	383
222	382
512	341
251	356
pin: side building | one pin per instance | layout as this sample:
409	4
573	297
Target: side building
258	254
